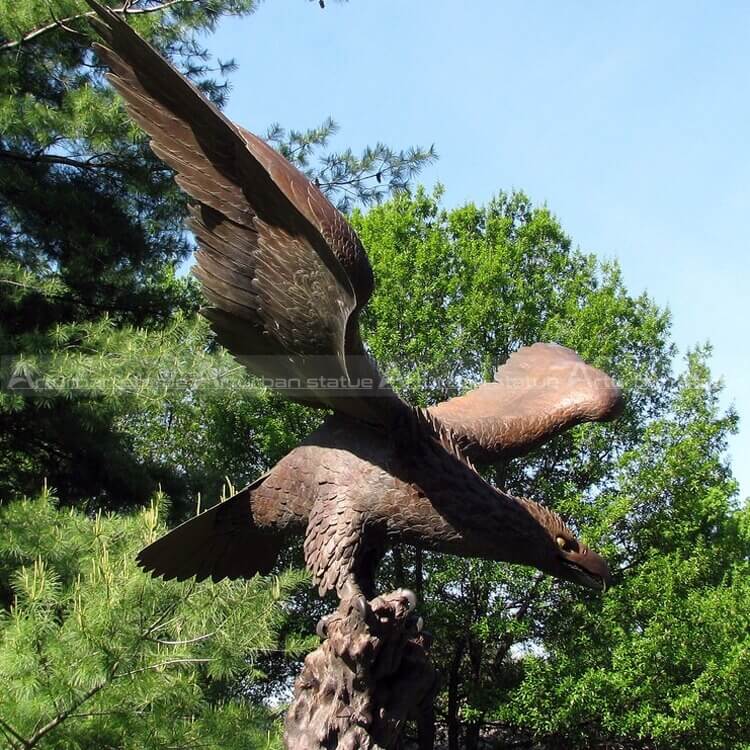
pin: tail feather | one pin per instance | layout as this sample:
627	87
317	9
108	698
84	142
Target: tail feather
222	542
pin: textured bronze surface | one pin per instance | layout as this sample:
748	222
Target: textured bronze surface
370	675
286	278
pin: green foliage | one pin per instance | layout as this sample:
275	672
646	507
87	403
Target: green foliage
172	411
345	178
676	666
90	226
95	653
458	291
130	393
663	657
523	656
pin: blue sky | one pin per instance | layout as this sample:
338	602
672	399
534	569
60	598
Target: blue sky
631	121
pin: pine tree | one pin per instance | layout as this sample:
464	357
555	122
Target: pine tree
95	653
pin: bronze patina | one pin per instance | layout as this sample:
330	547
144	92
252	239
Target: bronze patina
286	278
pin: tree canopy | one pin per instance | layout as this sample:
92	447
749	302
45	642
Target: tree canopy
522	656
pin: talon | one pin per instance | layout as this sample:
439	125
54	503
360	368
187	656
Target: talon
360	604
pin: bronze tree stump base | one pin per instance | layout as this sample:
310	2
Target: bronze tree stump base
370	675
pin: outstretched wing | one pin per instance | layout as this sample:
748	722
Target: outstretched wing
222	542
541	391
284	272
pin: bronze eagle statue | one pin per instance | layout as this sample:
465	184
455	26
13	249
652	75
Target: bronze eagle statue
286	278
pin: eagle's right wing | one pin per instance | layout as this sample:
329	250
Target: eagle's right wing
222	542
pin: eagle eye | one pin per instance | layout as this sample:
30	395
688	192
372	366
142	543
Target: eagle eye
566	545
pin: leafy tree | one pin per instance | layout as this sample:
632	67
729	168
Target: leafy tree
523	656
664	658
94	653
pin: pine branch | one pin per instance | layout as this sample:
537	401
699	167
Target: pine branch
155	8
507	640
92	163
70	711
126	9
197	639
13	733
73	299
161	621
166	663
63	715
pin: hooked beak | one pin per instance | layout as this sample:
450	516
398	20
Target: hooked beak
588	569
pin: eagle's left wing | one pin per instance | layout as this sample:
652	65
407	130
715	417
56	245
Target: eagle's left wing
541	391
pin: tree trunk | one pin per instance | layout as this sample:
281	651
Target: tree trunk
418	573
476	651
426	727
371	674
398	567
454	682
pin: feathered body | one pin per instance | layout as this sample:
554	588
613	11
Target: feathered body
286	278
353	491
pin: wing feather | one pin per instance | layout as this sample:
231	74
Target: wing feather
283	269
541	391
222	542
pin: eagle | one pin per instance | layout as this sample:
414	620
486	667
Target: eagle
286	279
